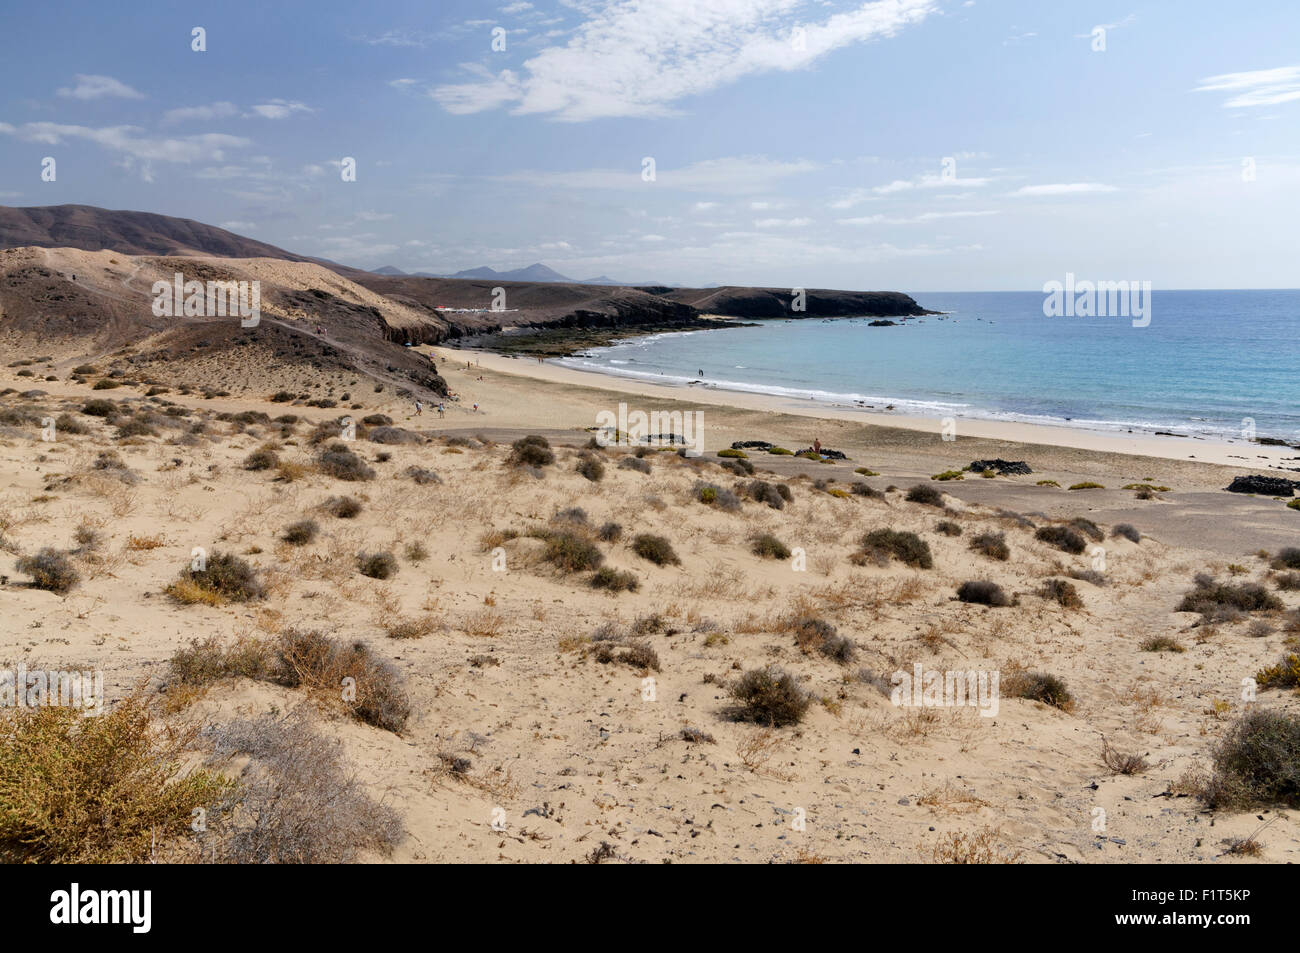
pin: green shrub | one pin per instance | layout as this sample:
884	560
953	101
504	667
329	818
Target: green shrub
102	790
1087	485
947	475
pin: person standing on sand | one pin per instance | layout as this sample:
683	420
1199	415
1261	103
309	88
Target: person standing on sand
419	408
476	408
442	410
817	445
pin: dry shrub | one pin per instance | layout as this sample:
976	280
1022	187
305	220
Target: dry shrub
1062	593
1223	600
486	622
657	549
984	593
769	696
614	580
296	803
225	578
100	790
992	545
1040	687
979	847
349	674
1257	763
767	546
50	570
530	451
1119	762
906	547
1063	538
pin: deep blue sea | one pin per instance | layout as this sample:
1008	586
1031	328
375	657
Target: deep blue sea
1207	361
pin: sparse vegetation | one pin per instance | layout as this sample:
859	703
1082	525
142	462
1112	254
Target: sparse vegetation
1257	763
983	592
1063	538
50	570
769	547
925	494
992	545
770	696
907	548
1062	593
377	565
657	549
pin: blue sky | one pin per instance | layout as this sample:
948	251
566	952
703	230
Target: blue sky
796	143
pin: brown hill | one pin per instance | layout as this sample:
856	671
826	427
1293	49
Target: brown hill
132	233
317	334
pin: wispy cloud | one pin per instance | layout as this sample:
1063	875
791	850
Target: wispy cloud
921	219
280	109
1062	188
638	59
732	175
201	113
1261	87
99	87
127	140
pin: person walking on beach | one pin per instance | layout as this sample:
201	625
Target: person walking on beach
419	408
817	445
442	410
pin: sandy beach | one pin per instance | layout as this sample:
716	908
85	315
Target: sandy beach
530	730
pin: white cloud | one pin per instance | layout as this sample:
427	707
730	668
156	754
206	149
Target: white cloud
1261	87
858	196
212	111
125	139
99	87
913	220
280	109
407	38
1062	188
637	59
730	175
782	222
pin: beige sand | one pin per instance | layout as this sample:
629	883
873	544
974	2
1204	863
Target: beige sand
569	749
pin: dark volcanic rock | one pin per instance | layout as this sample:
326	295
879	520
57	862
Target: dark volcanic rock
1003	467
751	445
1267	485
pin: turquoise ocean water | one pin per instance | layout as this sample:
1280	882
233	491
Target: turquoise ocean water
1207	361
